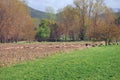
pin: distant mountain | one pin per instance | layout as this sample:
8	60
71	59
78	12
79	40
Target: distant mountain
37	14
116	9
40	14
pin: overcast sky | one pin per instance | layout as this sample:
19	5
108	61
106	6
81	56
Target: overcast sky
57	4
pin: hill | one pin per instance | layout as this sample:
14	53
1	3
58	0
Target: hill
37	14
116	9
40	14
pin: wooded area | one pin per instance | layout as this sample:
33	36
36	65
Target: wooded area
85	20
15	22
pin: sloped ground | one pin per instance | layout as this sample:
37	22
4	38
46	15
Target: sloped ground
100	63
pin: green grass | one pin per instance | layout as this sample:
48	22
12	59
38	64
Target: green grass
100	63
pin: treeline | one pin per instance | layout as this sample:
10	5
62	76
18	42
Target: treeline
85	20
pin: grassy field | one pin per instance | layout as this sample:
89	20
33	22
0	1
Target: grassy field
100	63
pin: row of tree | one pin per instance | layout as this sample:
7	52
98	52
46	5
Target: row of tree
86	20
91	20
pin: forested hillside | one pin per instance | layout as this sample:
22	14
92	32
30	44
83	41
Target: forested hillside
37	14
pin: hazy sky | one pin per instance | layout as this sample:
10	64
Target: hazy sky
57	4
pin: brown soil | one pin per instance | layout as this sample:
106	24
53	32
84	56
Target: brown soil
14	53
